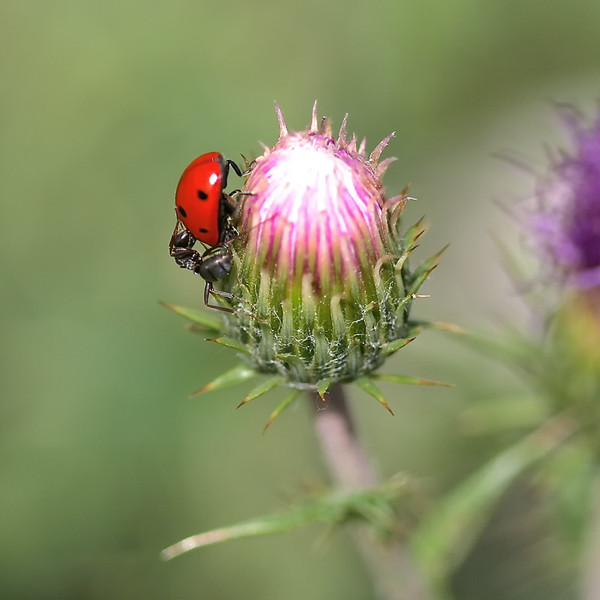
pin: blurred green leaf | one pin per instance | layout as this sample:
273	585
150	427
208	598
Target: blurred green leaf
449	531
371	504
513	349
503	414
570	479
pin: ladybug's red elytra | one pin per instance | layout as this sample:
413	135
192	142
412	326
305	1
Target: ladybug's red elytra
203	214
200	201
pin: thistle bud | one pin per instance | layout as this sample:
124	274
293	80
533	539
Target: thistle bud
321	283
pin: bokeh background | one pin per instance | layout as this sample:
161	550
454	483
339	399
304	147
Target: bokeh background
104	458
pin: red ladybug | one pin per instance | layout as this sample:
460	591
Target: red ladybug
203	214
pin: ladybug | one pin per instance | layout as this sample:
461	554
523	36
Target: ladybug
203	214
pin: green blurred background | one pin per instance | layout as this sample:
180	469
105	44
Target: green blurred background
105	460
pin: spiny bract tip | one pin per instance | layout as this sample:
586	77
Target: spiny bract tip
283	131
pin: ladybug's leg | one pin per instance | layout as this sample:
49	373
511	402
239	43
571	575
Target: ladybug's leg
208	290
228	202
172	243
225	171
216	264
237	170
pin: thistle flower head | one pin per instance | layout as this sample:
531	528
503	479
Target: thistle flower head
567	224
320	268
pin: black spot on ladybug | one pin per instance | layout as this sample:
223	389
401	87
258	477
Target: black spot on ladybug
202	195
182	211
202	230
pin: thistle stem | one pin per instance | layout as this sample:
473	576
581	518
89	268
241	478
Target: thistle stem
389	564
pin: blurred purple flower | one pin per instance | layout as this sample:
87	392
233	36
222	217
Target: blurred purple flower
567	222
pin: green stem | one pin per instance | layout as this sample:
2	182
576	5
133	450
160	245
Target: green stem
389	564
